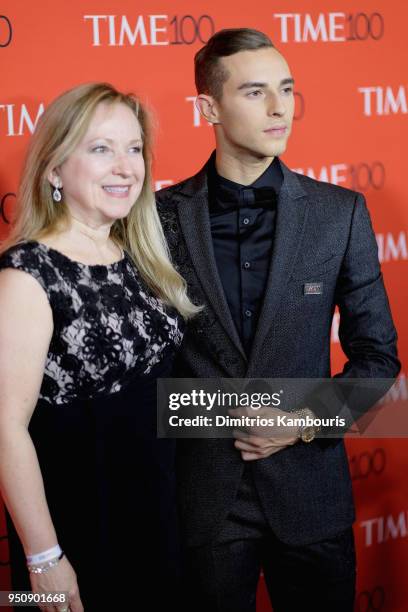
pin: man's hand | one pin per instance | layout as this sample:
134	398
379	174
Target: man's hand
259	441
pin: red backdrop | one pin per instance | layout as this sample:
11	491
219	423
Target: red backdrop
349	60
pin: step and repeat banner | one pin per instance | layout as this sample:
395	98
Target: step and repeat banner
350	64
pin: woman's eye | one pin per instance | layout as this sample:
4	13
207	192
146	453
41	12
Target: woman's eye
136	149
99	149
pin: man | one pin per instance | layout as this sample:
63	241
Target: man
269	253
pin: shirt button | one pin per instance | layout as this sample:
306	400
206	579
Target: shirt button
248	313
247	265
245	221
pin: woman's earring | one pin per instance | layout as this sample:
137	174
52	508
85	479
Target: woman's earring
56	194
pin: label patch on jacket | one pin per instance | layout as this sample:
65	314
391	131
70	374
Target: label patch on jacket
312	288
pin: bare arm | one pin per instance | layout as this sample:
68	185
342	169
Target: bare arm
25	332
26	327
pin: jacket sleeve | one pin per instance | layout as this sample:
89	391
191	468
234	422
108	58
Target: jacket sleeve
367	333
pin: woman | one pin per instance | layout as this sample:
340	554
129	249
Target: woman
91	313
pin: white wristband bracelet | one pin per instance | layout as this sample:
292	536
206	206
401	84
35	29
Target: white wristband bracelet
42	568
46	555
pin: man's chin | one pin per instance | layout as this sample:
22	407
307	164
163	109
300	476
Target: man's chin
262	152
277	149
273	150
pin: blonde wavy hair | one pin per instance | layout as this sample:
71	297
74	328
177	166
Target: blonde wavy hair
58	132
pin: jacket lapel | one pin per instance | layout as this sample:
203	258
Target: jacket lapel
290	222
193	212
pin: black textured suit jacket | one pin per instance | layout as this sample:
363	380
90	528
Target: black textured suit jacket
323	234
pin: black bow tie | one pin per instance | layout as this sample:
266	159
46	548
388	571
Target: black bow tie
258	197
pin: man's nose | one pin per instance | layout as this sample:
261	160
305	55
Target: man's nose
275	105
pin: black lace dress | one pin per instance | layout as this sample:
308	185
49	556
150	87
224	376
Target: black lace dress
109	481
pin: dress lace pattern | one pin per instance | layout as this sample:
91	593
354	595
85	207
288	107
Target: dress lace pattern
108	326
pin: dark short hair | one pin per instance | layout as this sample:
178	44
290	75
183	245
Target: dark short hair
209	72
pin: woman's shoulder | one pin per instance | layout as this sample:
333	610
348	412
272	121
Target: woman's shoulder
23	255
33	258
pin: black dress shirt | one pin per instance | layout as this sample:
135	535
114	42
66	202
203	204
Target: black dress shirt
242	226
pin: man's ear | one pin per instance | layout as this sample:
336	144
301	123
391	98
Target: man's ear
208	108
54	178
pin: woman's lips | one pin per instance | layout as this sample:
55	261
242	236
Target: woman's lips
117	191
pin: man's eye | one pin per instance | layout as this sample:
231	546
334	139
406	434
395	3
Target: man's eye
255	94
288	90
136	149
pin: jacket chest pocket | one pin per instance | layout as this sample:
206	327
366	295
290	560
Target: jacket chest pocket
315	270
